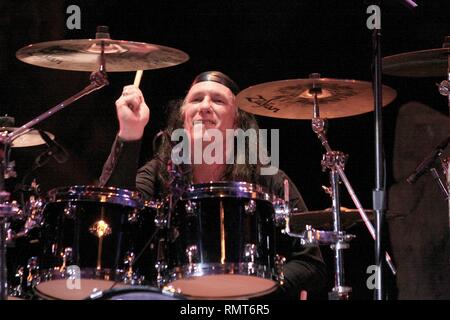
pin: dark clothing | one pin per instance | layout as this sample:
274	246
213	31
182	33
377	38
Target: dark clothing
304	270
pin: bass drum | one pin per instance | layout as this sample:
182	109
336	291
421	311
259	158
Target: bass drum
136	293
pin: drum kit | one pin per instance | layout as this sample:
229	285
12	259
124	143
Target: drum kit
84	237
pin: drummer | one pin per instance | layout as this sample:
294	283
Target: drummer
209	104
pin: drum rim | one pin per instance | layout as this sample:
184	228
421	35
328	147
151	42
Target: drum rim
115	276
228	189
269	276
90	193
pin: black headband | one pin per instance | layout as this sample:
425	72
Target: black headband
219	77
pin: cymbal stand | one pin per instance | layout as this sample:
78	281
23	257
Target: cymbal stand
98	80
337	239
333	161
363	214
318	125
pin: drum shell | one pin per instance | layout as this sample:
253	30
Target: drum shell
75	230
202	229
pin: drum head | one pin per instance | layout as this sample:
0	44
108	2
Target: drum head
225	286
60	290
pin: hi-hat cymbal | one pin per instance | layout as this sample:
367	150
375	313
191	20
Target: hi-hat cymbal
323	219
290	99
83	55
424	63
29	139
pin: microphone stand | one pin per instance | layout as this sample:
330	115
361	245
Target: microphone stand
98	80
379	193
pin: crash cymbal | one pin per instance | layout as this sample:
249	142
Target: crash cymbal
30	139
290	99
323	219
83	55
424	63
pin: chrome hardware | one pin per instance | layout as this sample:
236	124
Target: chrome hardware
280	261
161	265
282	212
131	277
250	253
133	216
128	262
33	278
153	204
100	229
191	207
444	87
250	207
192	254
333	159
17	291
34	209
192	257
67	257
313	237
160	220
161	268
70	210
340	293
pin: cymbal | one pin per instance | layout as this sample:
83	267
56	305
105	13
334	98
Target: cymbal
30	139
290	99
424	63
83	55
323	219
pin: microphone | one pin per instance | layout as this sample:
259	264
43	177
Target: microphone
55	150
426	164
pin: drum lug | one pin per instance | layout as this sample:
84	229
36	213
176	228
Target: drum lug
250	207
33	278
279	267
70	210
161	265
282	213
129	261
17	291
161	268
67	257
192	257
191	208
160	220
133	216
251	253
130	277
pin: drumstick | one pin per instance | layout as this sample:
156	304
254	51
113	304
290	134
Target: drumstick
138	77
286	190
